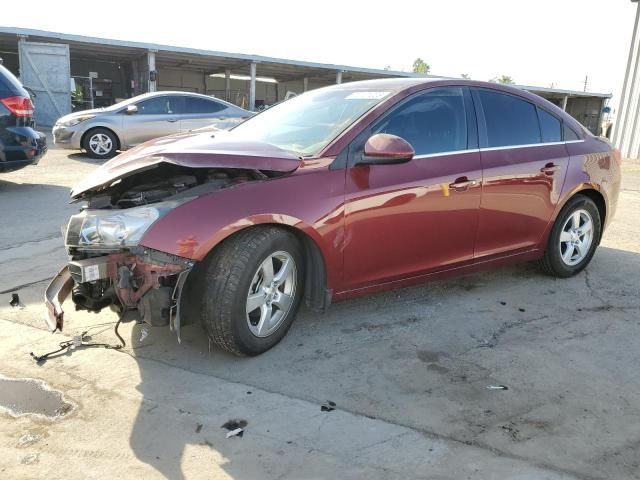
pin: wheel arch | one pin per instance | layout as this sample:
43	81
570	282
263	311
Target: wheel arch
586	190
317	295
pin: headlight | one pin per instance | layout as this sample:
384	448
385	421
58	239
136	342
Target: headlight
76	120
115	228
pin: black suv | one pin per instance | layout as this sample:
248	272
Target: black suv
20	144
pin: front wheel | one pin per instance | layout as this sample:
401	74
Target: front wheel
574	238
252	290
100	143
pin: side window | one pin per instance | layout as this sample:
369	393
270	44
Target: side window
569	134
509	120
550	126
433	122
154	106
202	105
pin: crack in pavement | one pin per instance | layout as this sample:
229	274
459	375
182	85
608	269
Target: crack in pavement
24	285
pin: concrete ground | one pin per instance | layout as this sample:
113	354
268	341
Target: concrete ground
408	371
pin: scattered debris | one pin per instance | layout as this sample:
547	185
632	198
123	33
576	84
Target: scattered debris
238	432
512	431
144	333
497	387
198	428
30	459
28	439
235	427
15	301
328	406
234	424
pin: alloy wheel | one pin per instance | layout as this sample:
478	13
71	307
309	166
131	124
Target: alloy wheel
100	144
576	237
271	294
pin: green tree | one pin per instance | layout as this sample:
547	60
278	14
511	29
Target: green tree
420	66
506	79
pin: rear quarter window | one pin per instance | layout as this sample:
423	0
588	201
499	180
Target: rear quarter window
551	127
569	134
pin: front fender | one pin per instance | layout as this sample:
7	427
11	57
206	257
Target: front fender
312	204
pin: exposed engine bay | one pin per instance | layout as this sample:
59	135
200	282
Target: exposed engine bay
166	181
108	269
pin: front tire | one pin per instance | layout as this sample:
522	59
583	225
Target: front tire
253	285
573	239
100	143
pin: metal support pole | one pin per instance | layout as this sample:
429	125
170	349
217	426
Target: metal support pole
630	106
252	87
227	84
151	63
339	76
622	110
564	102
91	102
21	39
305	84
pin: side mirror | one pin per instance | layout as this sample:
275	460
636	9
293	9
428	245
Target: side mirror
131	109
384	149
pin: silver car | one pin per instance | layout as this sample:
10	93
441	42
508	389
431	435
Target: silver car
101	132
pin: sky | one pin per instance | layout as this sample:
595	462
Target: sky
541	43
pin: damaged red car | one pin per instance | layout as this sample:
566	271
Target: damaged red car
339	192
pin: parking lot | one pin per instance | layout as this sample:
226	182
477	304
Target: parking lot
408	371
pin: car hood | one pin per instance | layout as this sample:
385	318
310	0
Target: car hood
194	150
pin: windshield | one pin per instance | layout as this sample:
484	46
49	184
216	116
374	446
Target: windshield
307	123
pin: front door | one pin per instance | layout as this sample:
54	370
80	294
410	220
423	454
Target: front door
408	219
524	163
156	117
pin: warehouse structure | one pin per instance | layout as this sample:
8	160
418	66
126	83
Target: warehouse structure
626	128
72	71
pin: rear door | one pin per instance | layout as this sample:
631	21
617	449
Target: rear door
408	219
203	112
156	117
524	163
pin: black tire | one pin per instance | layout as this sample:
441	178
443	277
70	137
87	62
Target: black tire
115	144
552	262
228	276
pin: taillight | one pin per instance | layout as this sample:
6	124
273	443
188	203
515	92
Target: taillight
19	106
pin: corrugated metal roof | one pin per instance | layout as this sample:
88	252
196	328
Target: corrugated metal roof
212	59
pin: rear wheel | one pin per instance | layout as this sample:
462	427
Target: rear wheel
252	290
100	143
574	238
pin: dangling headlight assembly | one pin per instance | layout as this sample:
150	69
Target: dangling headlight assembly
115	228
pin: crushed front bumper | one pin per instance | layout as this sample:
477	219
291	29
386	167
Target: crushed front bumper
150	283
56	293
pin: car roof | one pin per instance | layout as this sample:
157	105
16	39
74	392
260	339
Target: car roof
162	93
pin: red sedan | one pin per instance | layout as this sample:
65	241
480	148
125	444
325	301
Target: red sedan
339	192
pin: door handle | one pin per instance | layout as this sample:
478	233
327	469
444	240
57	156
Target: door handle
172	120
463	183
550	169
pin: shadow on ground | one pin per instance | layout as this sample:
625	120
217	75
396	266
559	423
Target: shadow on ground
423	357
